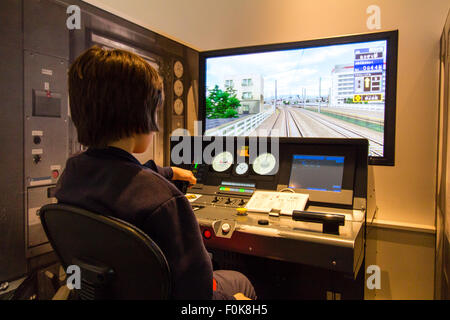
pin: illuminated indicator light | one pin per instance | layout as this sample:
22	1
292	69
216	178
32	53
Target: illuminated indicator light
207	234
195	166
244	152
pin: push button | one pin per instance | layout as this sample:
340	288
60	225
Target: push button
241	211
37	158
226	228
55	174
207	234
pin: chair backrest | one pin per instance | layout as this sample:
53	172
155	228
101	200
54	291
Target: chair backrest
116	259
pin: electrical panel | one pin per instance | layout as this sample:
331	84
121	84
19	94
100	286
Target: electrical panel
46	138
38	134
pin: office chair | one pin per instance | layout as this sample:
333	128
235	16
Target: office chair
116	259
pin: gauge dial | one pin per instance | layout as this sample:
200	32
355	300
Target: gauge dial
222	161
178	106
178	69
264	164
178	88
241	168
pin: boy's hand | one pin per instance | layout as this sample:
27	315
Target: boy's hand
183	175
240	296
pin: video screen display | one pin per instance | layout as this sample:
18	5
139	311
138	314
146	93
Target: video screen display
331	91
320	173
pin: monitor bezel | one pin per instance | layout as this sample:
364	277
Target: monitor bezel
391	37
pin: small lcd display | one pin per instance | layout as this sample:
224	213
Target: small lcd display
317	172
46	104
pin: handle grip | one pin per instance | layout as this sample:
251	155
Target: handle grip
330	221
181	185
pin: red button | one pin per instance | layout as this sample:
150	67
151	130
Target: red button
207	234
55	174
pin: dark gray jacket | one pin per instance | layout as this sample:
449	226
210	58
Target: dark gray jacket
112	182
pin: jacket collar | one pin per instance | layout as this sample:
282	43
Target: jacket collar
112	152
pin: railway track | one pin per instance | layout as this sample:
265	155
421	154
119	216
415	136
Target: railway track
344	131
287	124
292	126
278	129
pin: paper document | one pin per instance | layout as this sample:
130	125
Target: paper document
285	202
192	196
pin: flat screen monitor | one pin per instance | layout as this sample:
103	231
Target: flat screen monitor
342	87
317	172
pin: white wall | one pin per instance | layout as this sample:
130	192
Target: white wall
405	192
406	261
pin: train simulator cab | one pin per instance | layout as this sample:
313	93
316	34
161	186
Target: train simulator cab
289	213
287	132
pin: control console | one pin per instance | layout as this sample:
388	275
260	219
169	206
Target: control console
312	197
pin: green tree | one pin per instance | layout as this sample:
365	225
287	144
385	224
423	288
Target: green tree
222	104
209	107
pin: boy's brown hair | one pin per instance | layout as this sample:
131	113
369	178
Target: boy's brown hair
113	94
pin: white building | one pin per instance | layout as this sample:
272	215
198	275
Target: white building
249	90
342	81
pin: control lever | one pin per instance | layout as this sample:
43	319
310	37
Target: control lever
181	185
330	221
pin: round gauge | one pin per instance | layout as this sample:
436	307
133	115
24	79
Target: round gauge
178	88
222	161
178	69
178	106
264	164
241	168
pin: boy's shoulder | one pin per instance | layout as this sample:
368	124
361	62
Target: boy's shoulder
134	184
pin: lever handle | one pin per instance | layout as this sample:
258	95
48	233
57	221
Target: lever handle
181	185
330	221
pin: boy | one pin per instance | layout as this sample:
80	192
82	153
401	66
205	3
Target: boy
114	96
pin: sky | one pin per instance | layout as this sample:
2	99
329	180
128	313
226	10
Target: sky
293	69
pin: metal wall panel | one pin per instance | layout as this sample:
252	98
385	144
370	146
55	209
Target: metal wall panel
12	253
45	29
46	137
